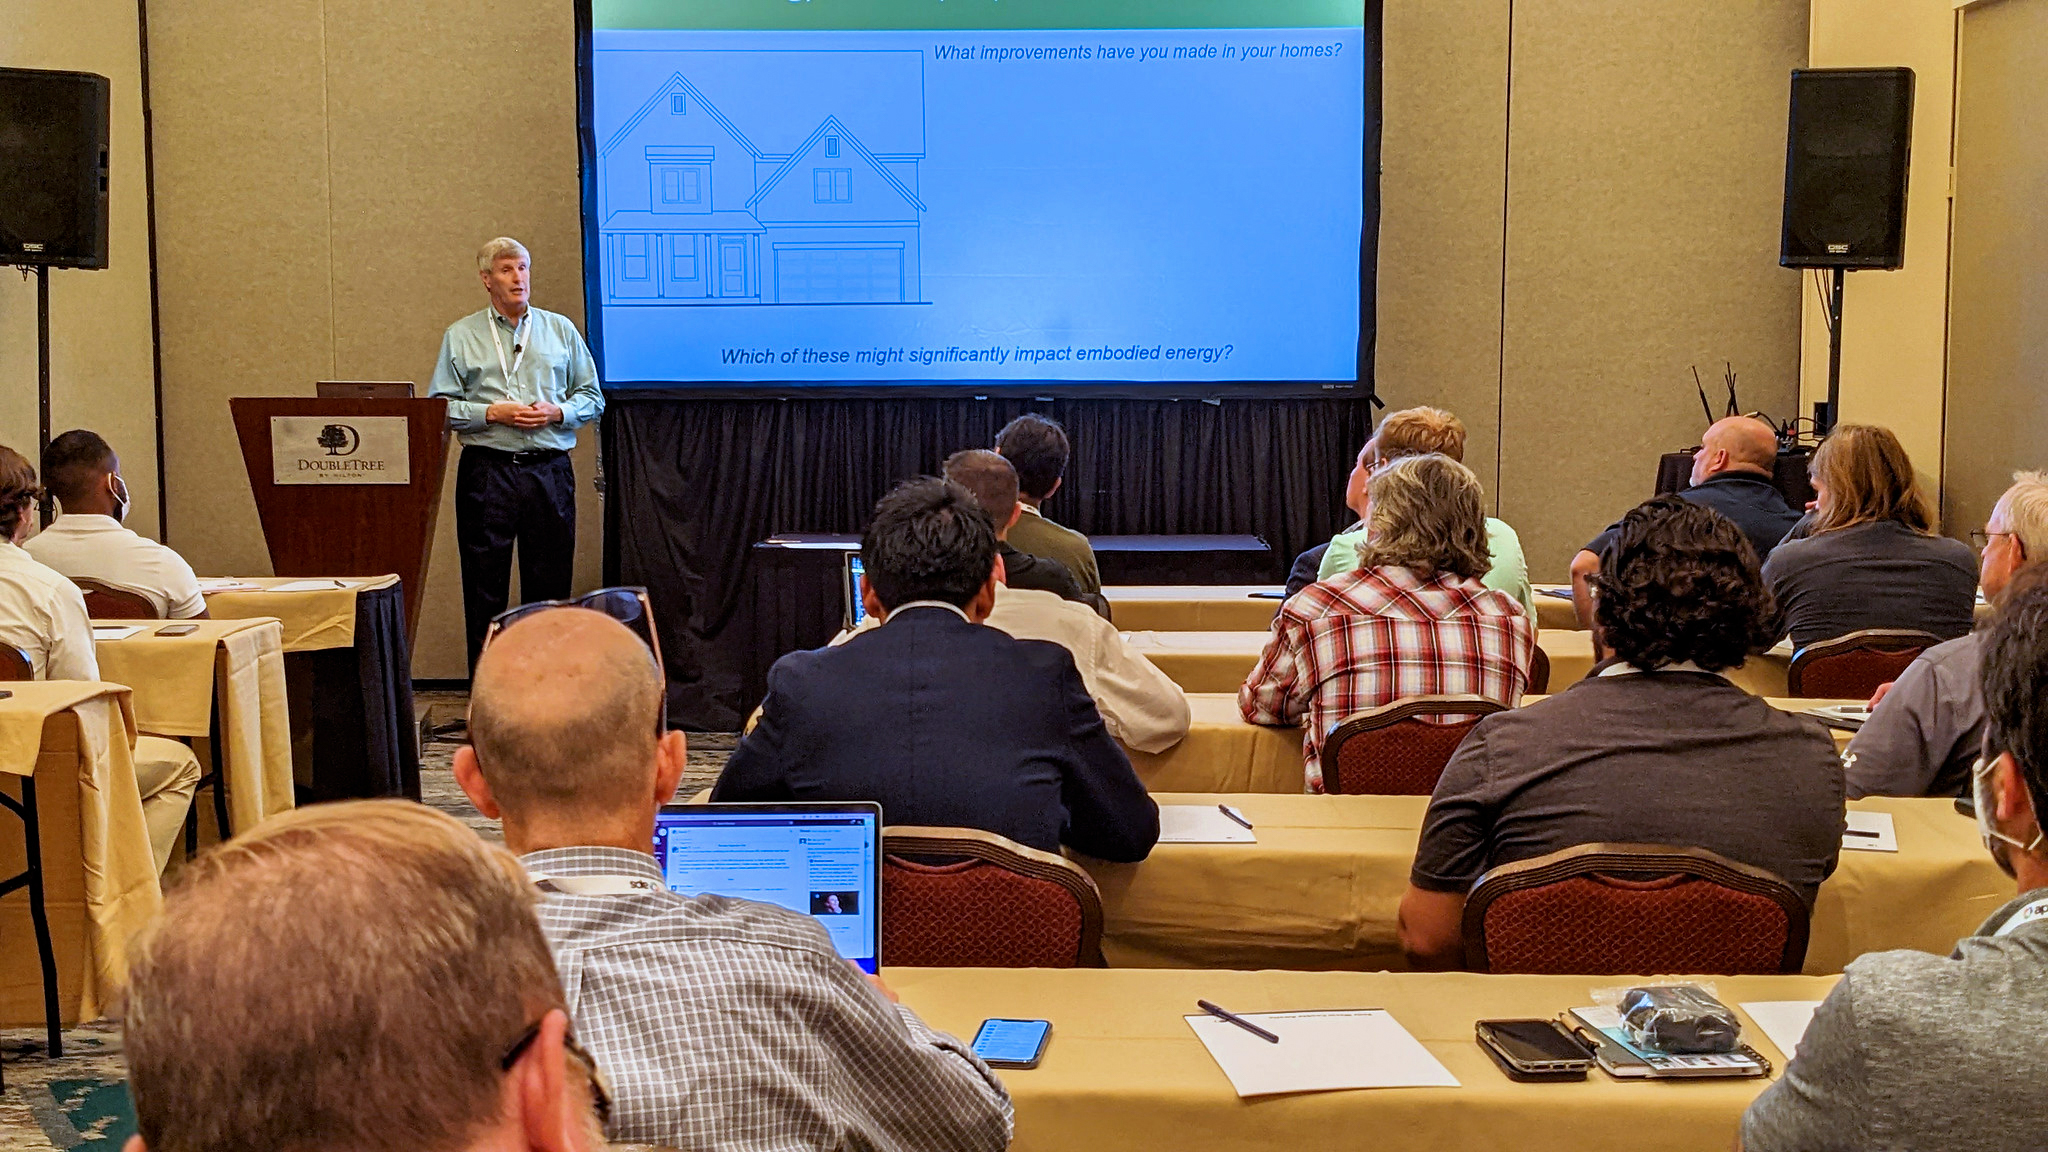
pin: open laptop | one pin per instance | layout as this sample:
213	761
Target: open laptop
824	860
855	610
363	389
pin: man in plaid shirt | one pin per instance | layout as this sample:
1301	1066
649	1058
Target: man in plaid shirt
1412	620
722	1024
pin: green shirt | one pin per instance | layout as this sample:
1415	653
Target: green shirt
554	366
1509	574
1035	534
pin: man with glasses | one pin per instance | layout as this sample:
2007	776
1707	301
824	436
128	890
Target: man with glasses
1912	1051
355	976
721	1023
1924	727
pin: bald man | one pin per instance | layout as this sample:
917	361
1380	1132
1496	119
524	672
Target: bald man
1732	473
722	1023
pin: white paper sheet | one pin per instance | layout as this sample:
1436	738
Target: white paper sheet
115	631
310	586
1882	836
1320	1052
210	584
1784	1021
1201	824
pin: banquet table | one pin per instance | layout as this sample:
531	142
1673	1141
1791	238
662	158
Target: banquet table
1557	612
1192	607
225	680
1571	657
1124	1071
75	739
348	677
1321	887
1222	753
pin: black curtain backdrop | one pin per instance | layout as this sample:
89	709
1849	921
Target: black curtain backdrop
692	485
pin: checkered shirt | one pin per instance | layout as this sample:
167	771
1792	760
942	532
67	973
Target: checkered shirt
1369	637
733	1025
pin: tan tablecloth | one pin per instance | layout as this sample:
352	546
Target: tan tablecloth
1322	886
324	618
1191	607
1571	657
1124	1071
1202	661
177	679
1552	612
100	879
1222	753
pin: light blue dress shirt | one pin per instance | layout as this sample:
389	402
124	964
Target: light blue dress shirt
555	368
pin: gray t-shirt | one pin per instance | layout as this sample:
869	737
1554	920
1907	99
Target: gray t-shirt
1679	758
1923	736
1877	575
1915	1051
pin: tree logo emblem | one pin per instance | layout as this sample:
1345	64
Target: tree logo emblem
340	440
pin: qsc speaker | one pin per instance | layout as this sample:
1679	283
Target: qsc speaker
1845	168
53	168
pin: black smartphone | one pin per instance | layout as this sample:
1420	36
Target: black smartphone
1534	1049
177	630
1012	1043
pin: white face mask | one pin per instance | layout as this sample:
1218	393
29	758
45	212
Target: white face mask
120	499
1982	800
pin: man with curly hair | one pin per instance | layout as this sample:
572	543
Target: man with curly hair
1656	747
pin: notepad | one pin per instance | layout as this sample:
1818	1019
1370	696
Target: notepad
310	586
1784	1021
1848	717
1871	832
1320	1052
1200	824
1555	593
115	631
212	584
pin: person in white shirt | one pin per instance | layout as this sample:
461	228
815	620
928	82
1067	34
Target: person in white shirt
89	542
42	615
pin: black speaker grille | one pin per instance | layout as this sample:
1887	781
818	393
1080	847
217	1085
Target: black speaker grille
53	148
1846	159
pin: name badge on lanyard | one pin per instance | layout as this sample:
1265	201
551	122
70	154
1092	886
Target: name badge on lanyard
518	346
594	885
2027	914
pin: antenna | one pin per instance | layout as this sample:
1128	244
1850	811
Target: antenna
1704	406
1728	377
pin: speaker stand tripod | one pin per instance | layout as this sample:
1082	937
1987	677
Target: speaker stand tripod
1826	414
43	376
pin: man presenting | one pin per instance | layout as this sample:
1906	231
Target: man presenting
519	382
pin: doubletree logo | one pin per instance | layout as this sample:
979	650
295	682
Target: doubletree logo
339	440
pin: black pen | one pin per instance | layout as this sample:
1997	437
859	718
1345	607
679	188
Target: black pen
1227	810
1234	1018
1861	832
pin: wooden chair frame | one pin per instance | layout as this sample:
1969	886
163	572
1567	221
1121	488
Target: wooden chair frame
1389	714
103	601
1877	639
910	840
1539	674
1634	862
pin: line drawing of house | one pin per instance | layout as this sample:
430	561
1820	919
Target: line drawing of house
700	209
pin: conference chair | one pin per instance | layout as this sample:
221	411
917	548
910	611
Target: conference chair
1399	748
105	602
1851	667
15	666
1628	909
965	898
1539	674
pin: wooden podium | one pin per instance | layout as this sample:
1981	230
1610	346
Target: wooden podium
347	487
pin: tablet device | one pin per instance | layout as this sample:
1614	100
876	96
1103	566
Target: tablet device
824	860
855	610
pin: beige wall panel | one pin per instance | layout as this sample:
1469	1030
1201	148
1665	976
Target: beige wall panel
1443	170
242	249
1644	192
101	372
1894	327
1998	338
435	151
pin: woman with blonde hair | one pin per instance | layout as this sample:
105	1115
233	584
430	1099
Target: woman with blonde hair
1871	556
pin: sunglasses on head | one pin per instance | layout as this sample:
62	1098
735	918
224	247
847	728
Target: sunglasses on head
627	605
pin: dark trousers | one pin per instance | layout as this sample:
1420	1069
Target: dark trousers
503	498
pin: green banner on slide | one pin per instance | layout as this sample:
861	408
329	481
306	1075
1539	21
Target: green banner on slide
974	15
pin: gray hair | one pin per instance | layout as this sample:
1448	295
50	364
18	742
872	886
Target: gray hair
2025	505
494	250
1426	516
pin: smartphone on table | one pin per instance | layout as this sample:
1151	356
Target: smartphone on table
1534	1049
1012	1043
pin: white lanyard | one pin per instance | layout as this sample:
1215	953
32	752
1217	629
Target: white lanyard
2027	914
518	347
595	885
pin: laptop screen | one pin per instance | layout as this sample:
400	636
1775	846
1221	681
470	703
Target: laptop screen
855	610
824	860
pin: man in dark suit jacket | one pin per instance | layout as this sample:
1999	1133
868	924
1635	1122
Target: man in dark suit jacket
939	719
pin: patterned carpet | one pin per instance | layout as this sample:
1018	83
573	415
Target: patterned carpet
81	1100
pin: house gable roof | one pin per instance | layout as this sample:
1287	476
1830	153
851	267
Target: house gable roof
831	125
677	83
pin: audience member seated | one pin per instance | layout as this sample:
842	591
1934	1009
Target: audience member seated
939	720
1924	730
43	615
357	977
1038	449
1655	748
1413	621
1871	557
1911	1050
1734	473
994	484
90	542
722	1023
1415	432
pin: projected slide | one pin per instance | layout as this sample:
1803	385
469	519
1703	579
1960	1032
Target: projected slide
845	191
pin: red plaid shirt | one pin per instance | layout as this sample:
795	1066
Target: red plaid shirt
1371	636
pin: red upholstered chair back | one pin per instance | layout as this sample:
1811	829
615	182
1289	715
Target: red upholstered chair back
106	602
1851	667
964	898
1539	673
15	664
1400	748
1632	909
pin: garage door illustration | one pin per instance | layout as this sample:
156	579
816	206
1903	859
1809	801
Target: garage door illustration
839	274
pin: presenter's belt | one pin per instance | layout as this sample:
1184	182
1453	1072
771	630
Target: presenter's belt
529	456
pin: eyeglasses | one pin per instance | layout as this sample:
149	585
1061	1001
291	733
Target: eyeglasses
627	605
1981	539
600	1085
